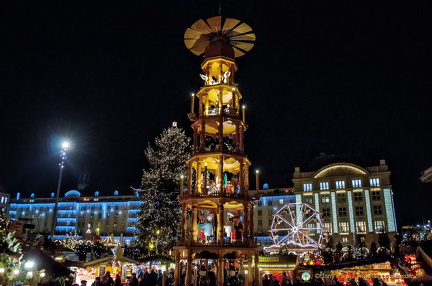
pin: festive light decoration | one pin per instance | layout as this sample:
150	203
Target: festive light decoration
160	215
295	220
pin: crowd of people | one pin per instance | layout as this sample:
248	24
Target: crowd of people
145	278
272	280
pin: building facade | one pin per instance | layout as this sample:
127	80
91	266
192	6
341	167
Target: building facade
352	202
101	215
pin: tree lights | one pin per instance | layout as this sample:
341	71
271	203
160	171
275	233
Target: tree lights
160	215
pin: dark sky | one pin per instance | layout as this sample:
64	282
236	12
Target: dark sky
324	76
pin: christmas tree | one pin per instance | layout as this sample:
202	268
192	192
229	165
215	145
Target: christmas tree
160	215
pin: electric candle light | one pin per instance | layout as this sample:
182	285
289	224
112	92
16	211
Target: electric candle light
192	102
257	179
244	113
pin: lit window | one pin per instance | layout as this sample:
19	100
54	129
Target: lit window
379	225
377	210
343	227
307	187
308	200
344	239
281	202
325	199
361	226
340	198
324	185
374	182
376	195
359	210
356	183
328	227
340	184
326	212
342	212
358	196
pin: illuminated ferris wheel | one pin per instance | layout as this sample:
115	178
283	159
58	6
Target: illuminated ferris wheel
297	224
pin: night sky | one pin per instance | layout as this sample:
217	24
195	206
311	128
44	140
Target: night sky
339	77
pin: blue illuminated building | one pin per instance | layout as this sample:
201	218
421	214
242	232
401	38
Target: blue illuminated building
102	215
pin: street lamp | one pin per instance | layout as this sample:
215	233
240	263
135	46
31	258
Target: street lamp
65	147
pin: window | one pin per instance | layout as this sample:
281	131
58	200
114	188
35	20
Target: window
356	183
379	225
307	187
259	203
281	202
374	182
358	196
260	212
343	227
324	185
270	212
308	200
376	195
377	210
342	212
359	210
270	203
344	239
259	222
311	227
361	226
326	212
340	198
328	227
325	199
340	184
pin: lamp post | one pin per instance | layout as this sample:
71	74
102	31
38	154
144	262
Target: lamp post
65	147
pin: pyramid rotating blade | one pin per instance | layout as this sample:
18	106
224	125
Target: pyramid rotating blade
192	34
238	53
215	23
199	46
243	28
229	24
242	45
201	26
245	37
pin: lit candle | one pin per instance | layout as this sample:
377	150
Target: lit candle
192	102
257	179
244	114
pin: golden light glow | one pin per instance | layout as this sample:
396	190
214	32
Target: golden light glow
324	172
